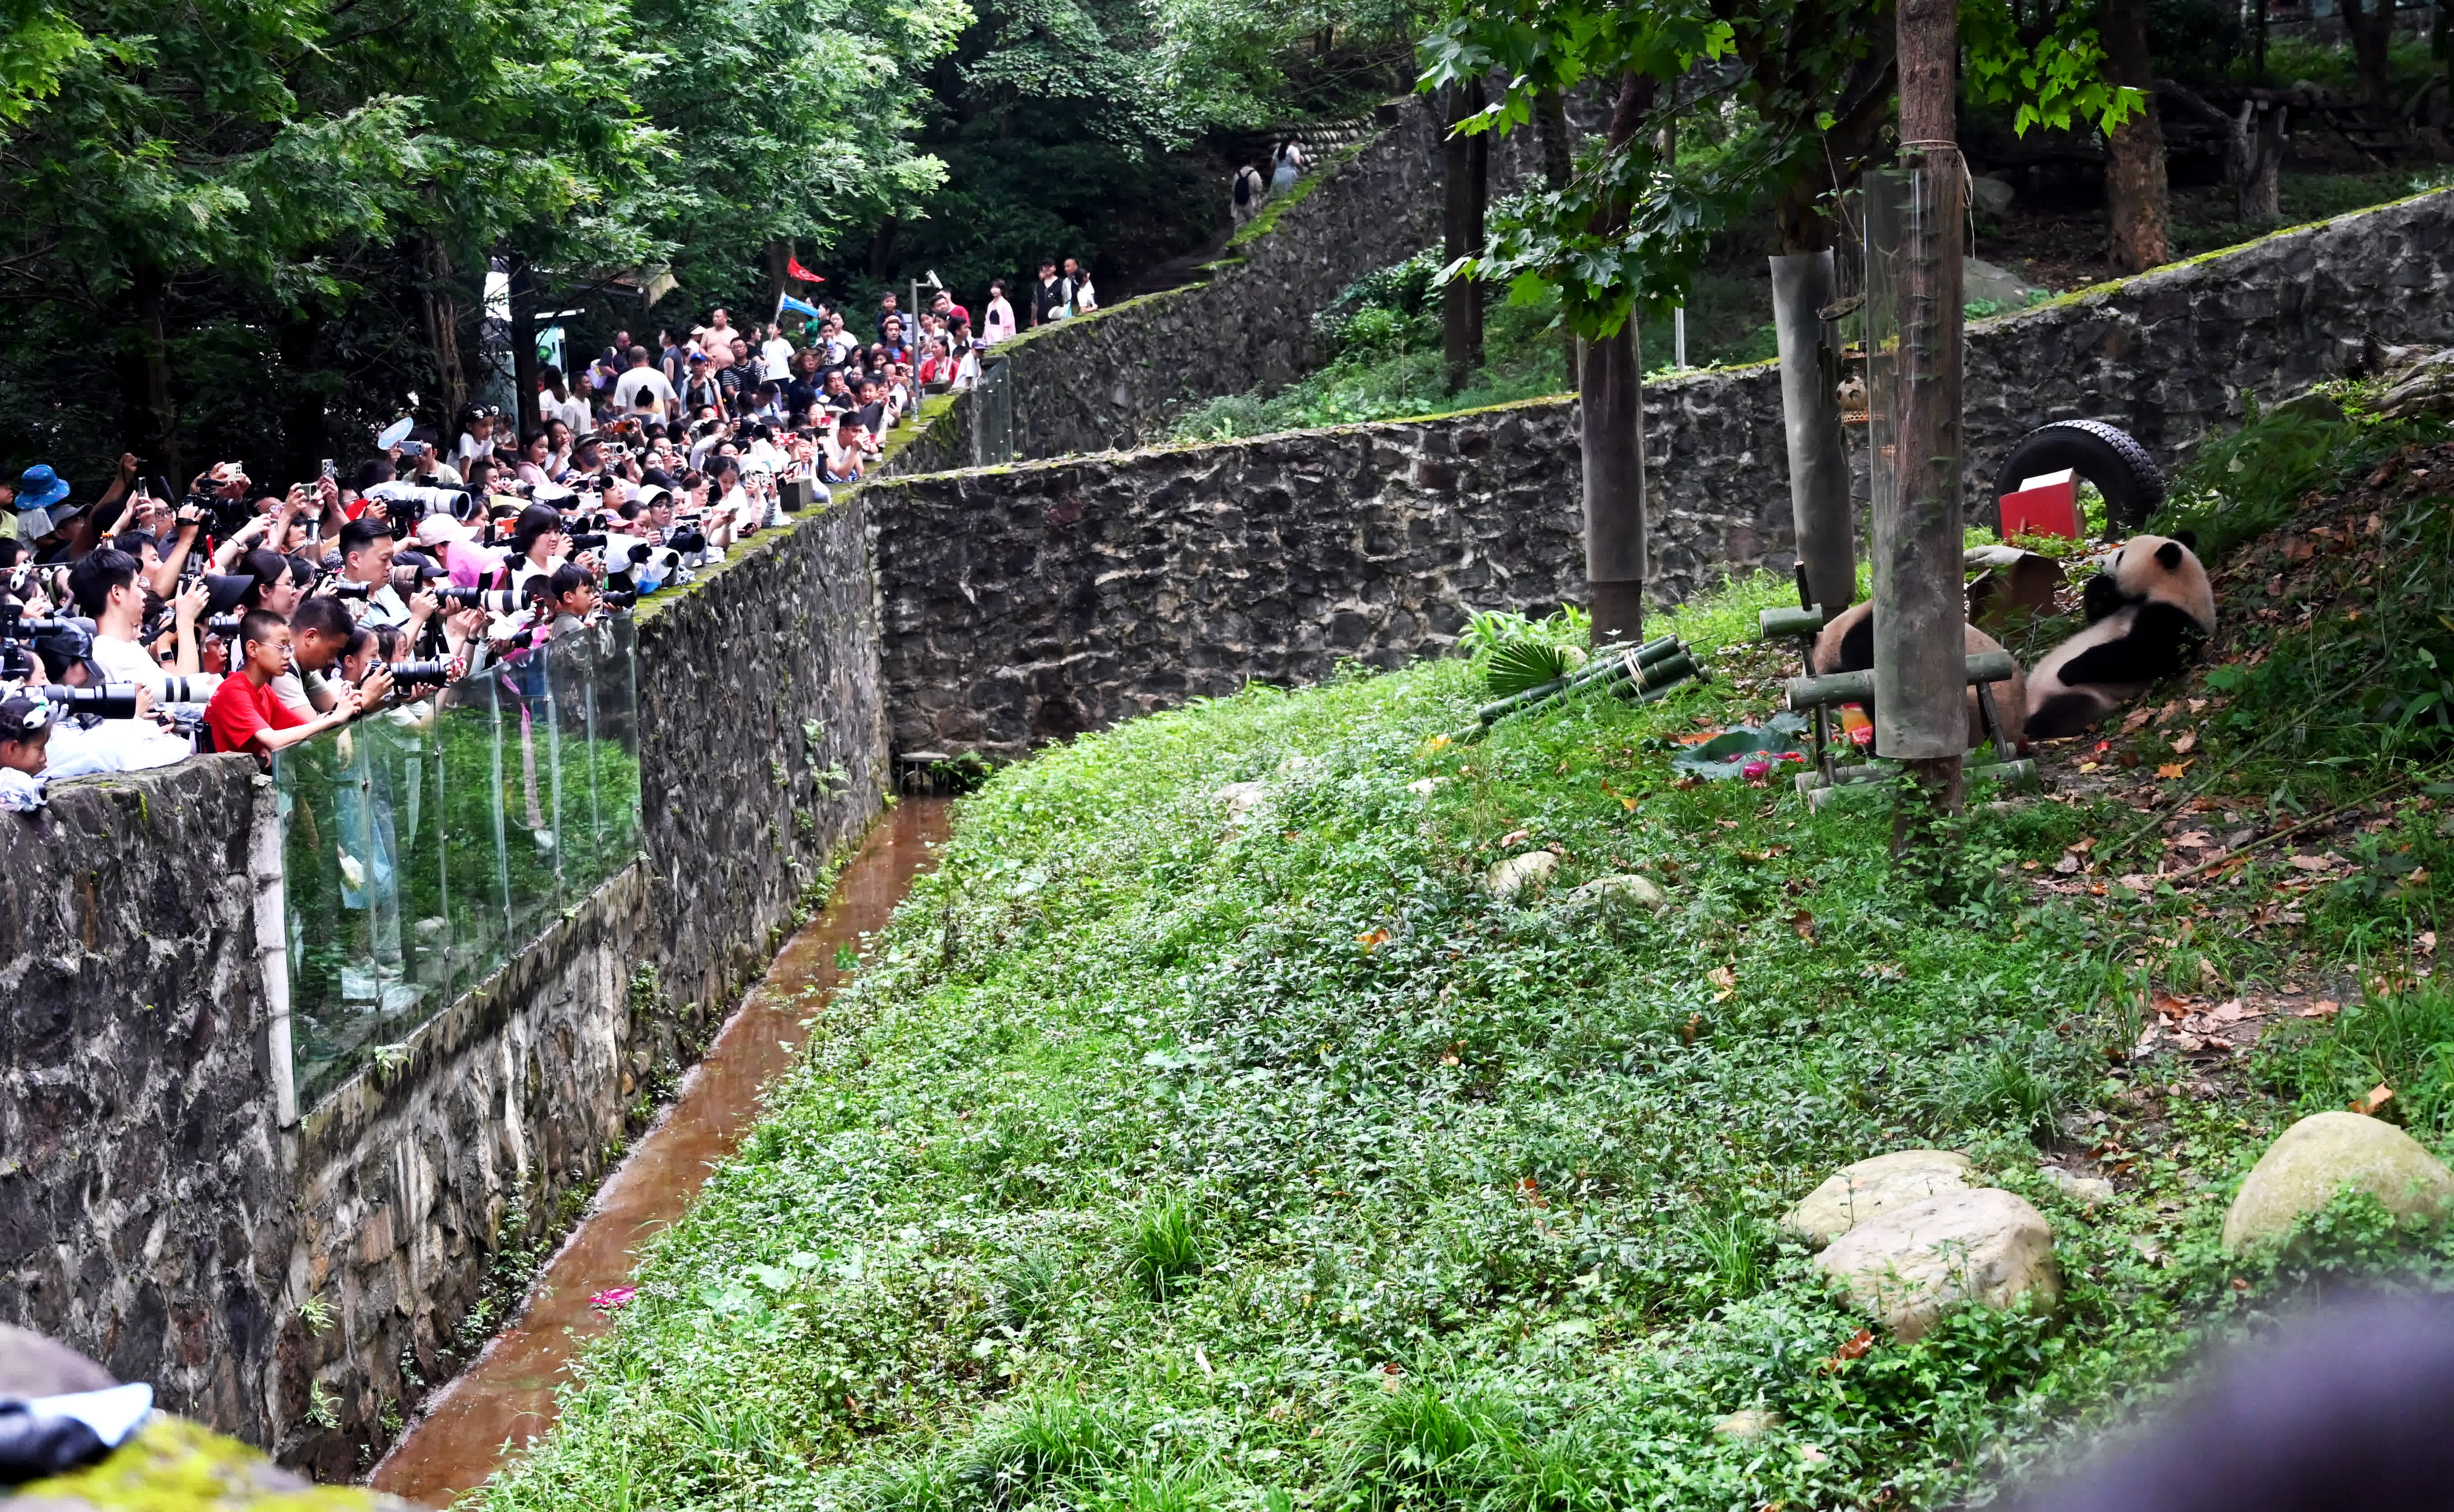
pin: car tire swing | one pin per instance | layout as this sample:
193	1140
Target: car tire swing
2103	454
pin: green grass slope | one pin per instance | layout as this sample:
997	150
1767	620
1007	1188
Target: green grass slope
1162	1160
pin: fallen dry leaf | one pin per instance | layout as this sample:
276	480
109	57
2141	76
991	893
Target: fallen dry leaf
2136	719
2174	769
2426	940
1696	737
1803	922
2170	1007
2378	1096
1723	977
2193	841
2321	1009
1378	936
1515	836
2313	863
1859	1344
2082	846
2067	865
2184	742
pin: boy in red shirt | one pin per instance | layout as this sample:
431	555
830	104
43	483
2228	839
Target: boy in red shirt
244	713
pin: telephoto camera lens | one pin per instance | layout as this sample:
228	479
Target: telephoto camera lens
348	589
621	598
112	700
689	542
588	541
223	625
196	687
421	672
493	600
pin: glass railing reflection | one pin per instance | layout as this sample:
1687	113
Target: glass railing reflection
423	846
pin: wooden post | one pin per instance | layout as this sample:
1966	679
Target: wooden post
1920	604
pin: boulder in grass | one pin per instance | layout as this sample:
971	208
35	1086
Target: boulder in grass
2308	1162
1240	799
1908	1267
1856	1192
1624	887
1518	873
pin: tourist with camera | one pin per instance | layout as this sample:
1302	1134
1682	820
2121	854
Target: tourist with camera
105	585
246	715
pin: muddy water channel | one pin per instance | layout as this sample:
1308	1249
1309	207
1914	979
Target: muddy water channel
506	1397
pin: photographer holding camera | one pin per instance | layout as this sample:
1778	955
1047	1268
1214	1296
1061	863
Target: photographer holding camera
246	715
105	585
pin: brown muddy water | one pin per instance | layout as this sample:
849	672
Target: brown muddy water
506	1398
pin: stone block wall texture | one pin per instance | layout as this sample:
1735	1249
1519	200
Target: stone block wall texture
145	1199
1024	604
154	1213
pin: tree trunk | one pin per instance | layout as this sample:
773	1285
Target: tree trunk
1810	406
1611	413
2369	24
1611	403
2258	143
881	247
2134	178
1920	604
155	432
779	252
1465	167
2253	147
1559	166
442	313
303	440
524	347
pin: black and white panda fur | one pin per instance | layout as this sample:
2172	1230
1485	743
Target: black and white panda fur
2149	615
1846	643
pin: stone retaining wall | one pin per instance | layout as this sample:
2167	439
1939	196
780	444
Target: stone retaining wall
152	1211
1024	604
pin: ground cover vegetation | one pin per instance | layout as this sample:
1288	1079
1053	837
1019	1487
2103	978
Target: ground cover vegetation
1205	1133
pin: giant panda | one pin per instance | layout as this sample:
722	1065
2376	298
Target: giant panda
1846	643
2149	615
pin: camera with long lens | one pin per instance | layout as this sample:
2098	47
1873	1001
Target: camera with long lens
493	600
689	540
223	625
195	687
421	671
587	541
112	700
340	589
229	515
619	597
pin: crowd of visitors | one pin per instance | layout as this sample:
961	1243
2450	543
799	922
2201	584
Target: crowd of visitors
151	622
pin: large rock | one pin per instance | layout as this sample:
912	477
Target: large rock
2302	1171
1624	887
1518	872
1911	1265
1856	1192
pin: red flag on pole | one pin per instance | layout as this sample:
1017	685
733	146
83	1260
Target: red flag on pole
793	266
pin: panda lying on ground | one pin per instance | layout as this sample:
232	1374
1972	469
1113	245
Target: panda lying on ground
1846	643
2149	615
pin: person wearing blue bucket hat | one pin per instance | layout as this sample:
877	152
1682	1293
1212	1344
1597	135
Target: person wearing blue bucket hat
37	491
40	488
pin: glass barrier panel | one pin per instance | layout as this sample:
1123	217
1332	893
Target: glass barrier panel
425	844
